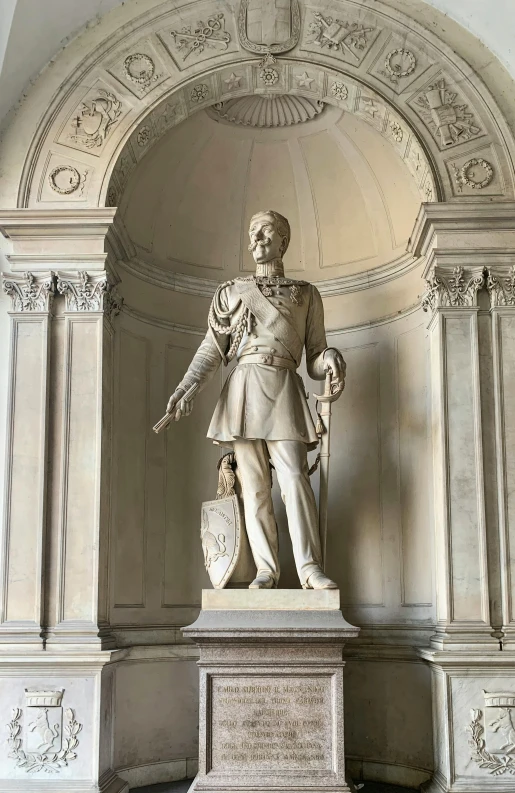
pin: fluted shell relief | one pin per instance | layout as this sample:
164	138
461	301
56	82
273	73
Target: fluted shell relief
267	111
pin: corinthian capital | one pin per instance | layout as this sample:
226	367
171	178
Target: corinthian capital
501	285
451	288
85	292
29	291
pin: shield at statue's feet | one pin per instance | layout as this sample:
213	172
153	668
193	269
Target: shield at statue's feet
221	534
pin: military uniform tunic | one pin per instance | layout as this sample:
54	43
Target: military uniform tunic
261	400
262	411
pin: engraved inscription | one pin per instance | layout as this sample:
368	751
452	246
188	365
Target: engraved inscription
271	723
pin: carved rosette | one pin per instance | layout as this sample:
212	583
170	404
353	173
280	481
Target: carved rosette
501	286
29	291
84	292
456	288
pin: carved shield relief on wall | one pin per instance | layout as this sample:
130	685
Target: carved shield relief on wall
269	26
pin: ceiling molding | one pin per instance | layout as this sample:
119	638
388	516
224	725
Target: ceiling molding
152	273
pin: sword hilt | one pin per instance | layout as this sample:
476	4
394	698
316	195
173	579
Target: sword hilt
332	389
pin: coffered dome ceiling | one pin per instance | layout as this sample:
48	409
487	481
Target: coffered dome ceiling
350	198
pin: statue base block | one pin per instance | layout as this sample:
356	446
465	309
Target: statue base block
271	691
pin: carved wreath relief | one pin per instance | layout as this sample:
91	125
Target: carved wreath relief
399	63
494	750
41	736
65	179
475	173
140	69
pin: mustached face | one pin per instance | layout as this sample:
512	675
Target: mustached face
265	241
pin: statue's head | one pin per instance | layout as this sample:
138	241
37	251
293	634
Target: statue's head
269	236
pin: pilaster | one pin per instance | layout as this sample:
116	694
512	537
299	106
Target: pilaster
60	429
78	590
22	552
469	249
55	532
501	289
461	546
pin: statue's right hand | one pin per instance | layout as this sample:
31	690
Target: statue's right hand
177	405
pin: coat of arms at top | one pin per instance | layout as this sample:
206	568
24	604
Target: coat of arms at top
269	26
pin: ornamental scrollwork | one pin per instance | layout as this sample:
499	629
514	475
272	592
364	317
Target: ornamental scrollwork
501	287
30	292
452	290
86	293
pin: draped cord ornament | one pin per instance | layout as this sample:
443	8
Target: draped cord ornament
237	329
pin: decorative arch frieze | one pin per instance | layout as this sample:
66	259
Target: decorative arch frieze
173	60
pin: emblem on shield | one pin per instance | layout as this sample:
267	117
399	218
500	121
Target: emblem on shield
269	26
221	538
227	554
44	723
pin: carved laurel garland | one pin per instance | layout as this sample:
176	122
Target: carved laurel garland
399	63
64	179
458	289
140	69
466	175
33	761
493	763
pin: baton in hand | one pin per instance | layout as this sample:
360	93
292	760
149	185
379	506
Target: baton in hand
169	417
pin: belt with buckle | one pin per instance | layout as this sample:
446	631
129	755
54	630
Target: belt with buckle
268	359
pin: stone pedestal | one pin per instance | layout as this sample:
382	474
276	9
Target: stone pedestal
271	690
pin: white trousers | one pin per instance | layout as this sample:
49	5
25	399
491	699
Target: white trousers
291	464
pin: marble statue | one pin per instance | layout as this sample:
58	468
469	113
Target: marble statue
266	321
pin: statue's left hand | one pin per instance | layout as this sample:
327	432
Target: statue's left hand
334	363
